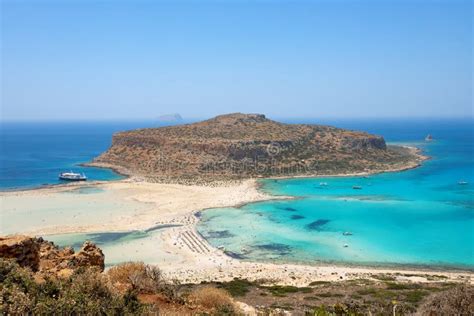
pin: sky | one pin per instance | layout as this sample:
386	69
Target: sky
127	60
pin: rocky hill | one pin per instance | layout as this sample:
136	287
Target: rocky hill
239	145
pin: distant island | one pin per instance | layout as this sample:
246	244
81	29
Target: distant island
170	118
239	146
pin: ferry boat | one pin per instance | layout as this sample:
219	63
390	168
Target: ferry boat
72	176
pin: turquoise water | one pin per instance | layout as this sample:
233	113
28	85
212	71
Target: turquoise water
416	217
120	247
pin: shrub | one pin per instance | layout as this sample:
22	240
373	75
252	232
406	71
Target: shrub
122	273
236	287
458	300
137	276
213	299
85	292
143	278
282	290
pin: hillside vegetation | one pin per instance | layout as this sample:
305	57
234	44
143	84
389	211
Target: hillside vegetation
236	146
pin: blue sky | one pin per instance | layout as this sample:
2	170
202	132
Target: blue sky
141	59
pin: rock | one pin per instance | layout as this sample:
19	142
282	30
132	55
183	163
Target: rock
25	250
90	255
45	257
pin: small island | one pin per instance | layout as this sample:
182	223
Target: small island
239	146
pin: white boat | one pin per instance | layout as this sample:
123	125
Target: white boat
323	184
72	176
429	138
462	182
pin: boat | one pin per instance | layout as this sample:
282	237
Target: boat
346	245
462	182
357	187
323	184
347	233
72	176
428	138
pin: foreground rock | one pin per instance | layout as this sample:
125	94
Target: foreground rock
237	146
45	257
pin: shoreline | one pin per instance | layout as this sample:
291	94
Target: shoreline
196	260
128	175
117	169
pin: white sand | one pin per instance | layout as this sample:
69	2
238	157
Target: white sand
121	206
179	251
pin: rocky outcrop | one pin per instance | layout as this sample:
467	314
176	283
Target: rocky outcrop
25	250
44	256
248	145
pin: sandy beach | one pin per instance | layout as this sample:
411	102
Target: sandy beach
180	251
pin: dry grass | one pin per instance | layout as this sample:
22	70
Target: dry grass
137	276
143	278
121	274
212	299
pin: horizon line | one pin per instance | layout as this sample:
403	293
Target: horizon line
199	118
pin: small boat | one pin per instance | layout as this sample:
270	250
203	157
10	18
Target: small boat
357	187
347	233
72	176
221	248
346	245
429	138
323	184
463	182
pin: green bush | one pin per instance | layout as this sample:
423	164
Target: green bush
85	292
236	287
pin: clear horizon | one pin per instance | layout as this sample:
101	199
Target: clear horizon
137	60
276	118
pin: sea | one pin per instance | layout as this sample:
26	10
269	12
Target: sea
423	217
32	154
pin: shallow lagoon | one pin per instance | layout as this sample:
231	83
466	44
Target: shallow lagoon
123	246
416	217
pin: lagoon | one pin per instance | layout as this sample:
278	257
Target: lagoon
420	217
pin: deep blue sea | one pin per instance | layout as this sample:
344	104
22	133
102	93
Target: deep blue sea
416	217
33	154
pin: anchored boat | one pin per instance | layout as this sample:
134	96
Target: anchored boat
72	176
